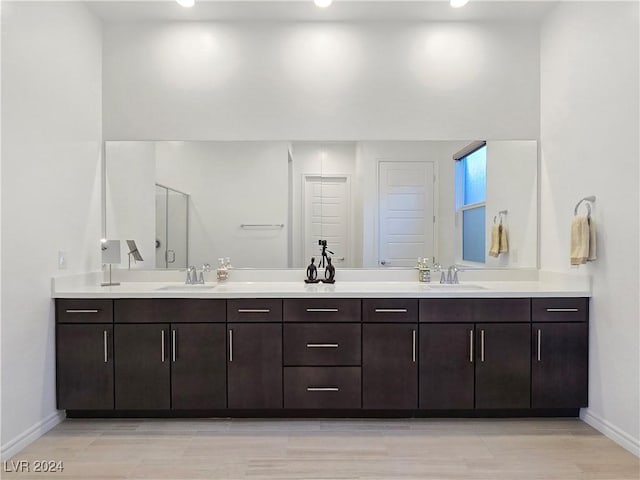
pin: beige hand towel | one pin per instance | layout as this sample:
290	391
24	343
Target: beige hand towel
592	241
579	240
494	251
504	244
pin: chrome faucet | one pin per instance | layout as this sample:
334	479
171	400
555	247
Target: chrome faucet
205	268
452	276
191	276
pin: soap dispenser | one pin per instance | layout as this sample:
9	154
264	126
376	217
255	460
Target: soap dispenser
222	273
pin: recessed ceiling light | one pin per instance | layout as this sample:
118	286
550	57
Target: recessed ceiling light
458	3
323	3
186	3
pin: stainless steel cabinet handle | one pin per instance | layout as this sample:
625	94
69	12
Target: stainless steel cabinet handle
231	345
322	345
562	310
316	310
173	345
482	345
413	346
391	310
254	310
162	347
539	340
471	346
323	389
82	311
106	348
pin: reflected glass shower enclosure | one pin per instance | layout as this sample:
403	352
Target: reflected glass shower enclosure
172	228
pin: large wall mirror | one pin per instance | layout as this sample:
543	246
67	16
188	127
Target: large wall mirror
268	204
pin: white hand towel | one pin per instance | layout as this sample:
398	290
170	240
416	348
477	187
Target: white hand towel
579	240
494	251
504	244
592	241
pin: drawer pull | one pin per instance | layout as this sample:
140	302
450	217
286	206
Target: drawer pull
539	342
162	345
323	389
106	348
230	345
254	310
482	345
322	345
391	310
321	310
82	311
173	345
552	310
413	346
471	346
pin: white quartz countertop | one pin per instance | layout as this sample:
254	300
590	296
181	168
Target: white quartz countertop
344	289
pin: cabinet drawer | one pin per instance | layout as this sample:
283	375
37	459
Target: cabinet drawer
321	310
502	310
560	309
169	310
390	310
87	310
322	344
322	387
254	310
446	310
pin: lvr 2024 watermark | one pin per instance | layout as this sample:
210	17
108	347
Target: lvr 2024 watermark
36	466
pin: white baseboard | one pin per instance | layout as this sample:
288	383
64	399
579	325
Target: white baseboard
622	438
30	435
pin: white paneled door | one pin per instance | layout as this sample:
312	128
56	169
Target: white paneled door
327	203
406	212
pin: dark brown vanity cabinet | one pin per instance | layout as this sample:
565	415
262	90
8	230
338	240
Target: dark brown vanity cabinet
254	365
559	353
475	353
254	353
447	366
84	366
176	365
142	367
390	354
503	377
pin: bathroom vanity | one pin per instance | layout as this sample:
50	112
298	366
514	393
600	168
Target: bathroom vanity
300	351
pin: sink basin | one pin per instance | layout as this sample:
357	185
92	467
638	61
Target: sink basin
185	288
457	286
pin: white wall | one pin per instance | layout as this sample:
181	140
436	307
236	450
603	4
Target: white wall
512	173
51	132
230	183
321	81
130	183
589	144
324	159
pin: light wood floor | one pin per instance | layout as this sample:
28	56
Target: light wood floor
330	449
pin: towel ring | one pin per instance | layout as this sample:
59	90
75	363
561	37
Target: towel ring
587	201
500	214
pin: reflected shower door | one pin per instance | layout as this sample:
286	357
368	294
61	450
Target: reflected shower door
172	220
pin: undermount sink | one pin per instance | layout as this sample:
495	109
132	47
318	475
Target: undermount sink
185	288
457	286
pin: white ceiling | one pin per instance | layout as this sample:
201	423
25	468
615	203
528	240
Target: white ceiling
305	10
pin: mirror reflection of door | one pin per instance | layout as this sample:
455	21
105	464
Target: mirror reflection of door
327	205
172	217
406	212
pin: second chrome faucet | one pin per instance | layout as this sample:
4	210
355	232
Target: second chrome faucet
193	278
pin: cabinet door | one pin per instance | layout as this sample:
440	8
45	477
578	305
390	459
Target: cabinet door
198	366
503	376
142	367
254	365
389	366
84	355
559	365
446	366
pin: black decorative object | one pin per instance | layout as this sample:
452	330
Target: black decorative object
329	272
312	272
